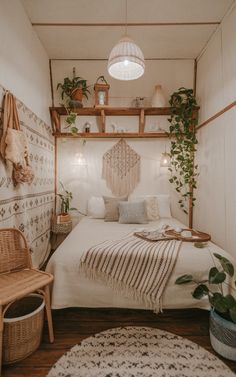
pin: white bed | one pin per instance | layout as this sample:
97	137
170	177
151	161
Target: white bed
72	289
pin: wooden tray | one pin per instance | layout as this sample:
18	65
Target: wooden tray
196	236
145	236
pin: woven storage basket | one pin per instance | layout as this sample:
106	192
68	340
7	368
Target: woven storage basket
23	325
223	336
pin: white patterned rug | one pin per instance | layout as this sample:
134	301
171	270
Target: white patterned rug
138	352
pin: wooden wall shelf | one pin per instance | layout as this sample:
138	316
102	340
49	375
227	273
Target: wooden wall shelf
110	135
115	110
102	112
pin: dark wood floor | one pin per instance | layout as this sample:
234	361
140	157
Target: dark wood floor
73	325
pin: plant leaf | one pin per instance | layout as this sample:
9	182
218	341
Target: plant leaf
74	130
226	264
200	291
230	301
215	276
217	301
184	279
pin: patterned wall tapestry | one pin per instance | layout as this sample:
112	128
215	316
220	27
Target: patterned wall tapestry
30	207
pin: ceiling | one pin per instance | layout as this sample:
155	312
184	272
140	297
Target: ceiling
88	29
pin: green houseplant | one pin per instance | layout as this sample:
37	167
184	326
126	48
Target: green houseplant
75	88
65	197
72	92
223	313
182	133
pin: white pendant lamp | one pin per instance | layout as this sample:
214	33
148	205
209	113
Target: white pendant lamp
126	60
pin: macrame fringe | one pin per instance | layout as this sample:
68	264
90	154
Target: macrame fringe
121	289
121	169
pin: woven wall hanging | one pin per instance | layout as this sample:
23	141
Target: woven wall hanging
121	168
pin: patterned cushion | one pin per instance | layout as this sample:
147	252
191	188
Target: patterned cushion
133	213
151	206
112	207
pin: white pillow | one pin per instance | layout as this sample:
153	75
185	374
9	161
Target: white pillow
96	207
164	205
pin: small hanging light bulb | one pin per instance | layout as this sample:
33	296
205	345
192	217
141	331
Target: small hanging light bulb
79	159
165	160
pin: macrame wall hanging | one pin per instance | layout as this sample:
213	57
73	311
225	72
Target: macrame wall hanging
121	168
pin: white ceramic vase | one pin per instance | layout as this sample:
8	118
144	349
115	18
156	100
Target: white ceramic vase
158	99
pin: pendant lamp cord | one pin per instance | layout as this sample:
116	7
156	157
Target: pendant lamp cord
126	6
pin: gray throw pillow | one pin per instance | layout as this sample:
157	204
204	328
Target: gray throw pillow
112	207
133	213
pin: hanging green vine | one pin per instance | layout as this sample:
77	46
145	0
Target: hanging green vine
182	133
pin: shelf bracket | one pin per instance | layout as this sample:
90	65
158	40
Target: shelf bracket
56	120
141	121
103	121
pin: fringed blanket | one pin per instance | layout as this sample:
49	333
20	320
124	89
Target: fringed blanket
133	266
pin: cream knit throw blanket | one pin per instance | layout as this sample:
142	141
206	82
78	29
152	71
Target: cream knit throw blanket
133	266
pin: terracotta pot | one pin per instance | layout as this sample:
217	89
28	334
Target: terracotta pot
64	217
77	94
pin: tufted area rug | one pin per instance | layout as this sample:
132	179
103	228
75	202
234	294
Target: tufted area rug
138	352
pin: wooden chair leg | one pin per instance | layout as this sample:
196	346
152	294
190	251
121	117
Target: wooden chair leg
1	337
49	314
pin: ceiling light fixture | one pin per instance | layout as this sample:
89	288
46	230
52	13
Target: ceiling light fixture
126	60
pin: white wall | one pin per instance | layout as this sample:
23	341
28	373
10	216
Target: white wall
216	88
171	74
24	66
24	70
85	182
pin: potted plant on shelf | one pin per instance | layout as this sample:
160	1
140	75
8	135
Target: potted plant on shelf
66	198
75	89
223	306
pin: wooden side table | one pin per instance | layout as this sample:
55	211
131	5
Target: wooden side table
59	232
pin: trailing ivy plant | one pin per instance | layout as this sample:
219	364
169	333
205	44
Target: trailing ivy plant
70	120
182	133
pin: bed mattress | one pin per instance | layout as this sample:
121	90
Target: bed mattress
72	289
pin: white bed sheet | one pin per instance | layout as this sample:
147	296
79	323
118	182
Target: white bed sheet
72	289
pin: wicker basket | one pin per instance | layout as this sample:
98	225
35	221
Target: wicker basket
23	325
223	336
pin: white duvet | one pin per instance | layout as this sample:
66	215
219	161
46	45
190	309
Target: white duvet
72	289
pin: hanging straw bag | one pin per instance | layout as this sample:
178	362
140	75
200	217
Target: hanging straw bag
14	144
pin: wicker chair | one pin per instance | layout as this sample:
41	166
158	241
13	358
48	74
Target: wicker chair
18	278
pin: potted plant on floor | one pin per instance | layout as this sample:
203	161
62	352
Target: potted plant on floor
223	306
66	198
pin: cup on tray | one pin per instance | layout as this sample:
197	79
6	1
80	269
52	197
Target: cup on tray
186	233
